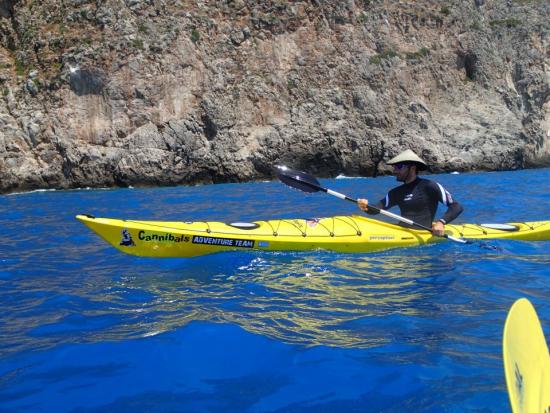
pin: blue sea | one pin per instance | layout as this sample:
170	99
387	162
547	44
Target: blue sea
85	328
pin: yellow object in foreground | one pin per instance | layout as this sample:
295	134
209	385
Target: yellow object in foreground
340	233
526	360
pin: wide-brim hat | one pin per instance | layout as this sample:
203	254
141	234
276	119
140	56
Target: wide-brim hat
409	156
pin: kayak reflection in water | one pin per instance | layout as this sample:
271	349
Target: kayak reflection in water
417	198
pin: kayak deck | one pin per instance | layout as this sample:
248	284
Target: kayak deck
353	234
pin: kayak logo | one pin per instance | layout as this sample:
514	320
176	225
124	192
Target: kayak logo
225	242
163	237
127	240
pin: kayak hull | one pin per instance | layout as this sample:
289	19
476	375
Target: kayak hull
348	234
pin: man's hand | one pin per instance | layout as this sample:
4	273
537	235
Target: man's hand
363	204
438	228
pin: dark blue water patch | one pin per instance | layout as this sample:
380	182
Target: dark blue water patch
127	365
273	376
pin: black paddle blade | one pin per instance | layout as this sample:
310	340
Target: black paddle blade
297	179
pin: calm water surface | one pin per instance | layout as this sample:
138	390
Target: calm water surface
84	328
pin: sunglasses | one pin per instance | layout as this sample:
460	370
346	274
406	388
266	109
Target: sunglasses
400	166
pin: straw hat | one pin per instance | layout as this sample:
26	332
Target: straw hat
409	156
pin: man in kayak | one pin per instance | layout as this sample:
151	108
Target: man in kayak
417	198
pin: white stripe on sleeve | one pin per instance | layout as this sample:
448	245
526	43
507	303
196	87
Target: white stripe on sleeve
443	194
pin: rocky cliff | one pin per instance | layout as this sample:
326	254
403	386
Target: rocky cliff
160	92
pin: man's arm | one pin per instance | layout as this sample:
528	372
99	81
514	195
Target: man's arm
454	209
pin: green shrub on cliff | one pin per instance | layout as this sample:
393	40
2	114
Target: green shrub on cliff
423	52
510	23
195	35
137	43
142	28
20	67
386	54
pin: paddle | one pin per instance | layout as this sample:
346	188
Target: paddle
526	359
308	183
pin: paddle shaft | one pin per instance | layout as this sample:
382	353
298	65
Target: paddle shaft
382	211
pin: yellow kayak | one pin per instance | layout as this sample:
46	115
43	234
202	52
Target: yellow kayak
526	360
339	233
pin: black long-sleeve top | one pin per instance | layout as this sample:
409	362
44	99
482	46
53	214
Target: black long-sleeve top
418	202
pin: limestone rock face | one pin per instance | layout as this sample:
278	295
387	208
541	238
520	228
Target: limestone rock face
140	92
